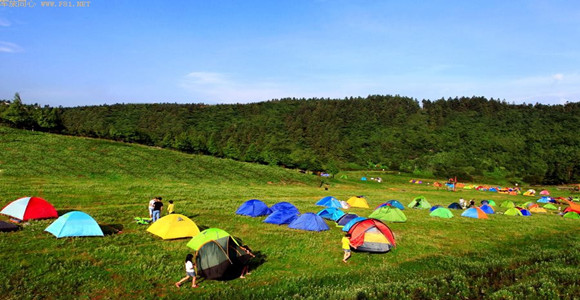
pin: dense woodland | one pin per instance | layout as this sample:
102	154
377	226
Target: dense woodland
465	137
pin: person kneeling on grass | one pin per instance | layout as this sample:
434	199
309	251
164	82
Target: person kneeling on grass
346	247
189	271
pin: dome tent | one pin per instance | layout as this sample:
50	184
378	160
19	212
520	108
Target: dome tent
29	208
388	214
220	258
513	212
331	213
419	202
280	217
74	224
351	223
174	226
310	222
442	212
474	212
253	208
487	209
342	221
358	201
284	206
455	205
371	235
329	201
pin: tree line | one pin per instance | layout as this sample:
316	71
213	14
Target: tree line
468	137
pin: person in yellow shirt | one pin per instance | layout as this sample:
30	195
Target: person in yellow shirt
170	207
346	247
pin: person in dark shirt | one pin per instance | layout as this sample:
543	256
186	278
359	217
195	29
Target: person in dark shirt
157	210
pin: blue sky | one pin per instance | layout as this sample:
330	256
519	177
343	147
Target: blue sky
247	51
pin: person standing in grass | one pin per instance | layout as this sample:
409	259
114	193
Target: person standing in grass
157	209
346	247
170	207
244	260
151	206
189	271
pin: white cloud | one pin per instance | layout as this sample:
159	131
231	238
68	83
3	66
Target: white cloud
558	76
4	23
8	47
214	87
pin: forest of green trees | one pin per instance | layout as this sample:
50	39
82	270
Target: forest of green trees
468	137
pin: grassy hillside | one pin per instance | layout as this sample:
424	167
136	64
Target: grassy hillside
503	257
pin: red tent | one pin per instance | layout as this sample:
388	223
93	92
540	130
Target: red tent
357	231
28	208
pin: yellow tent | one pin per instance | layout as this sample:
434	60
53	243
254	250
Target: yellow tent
358	202
538	210
174	226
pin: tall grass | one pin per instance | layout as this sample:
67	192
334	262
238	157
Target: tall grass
502	257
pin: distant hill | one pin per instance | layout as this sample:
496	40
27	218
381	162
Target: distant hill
464	137
26	154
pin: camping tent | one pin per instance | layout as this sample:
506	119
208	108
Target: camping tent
487	209
389	214
538	209
310	222
29	208
434	207
545	192
358	201
345	219
395	203
525	212
419	202
371	235
442	212
550	206
8	227
220	258
329	201
507	204
544	199
530	192
280	217
474	212
253	208
512	212
455	205
331	213
571	215
74	223
351	223
284	206
174	226
207	235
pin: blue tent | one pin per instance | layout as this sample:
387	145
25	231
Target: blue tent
345	219
484	202
493	189
280	217
487	209
434	207
454	205
351	223
395	203
331	213
329	201
75	223
253	208
310	222
525	212
285	206
544	200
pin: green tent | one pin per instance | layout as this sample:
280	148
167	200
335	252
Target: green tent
513	212
507	204
343	176
525	205
210	234
419	202
550	206
491	202
442	212
389	214
572	215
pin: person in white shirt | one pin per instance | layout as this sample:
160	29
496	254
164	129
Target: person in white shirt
189	271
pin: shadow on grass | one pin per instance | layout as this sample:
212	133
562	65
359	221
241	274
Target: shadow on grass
61	212
110	229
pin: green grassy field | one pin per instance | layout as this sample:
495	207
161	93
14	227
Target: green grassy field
499	258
